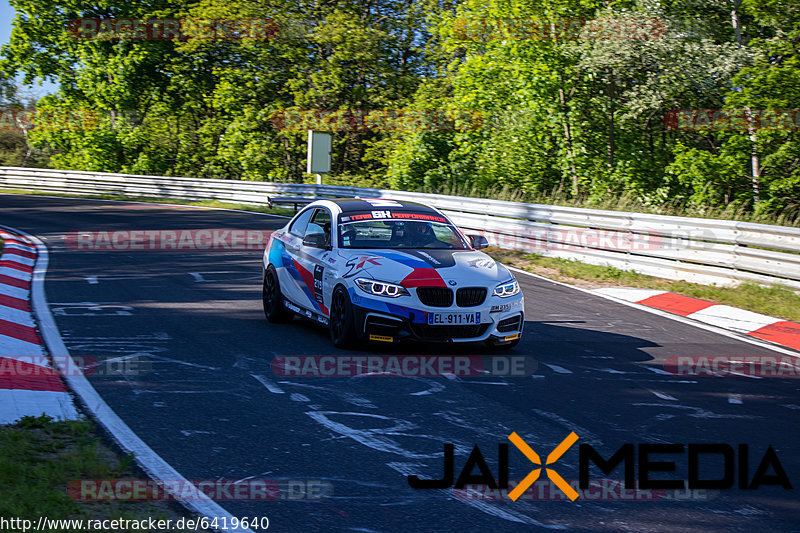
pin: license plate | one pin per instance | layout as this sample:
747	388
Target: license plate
453	319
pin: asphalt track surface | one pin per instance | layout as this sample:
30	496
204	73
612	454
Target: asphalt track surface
209	404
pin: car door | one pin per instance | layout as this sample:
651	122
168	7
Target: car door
313	258
290	276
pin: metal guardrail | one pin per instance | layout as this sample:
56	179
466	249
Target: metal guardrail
708	251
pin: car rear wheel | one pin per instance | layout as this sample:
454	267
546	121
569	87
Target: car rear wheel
341	321
273	299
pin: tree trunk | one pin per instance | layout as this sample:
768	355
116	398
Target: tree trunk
754	160
737	28
610	145
568	135
755	164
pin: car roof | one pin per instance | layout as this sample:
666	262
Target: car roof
350	205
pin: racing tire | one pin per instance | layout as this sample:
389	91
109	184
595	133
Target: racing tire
341	321
272	298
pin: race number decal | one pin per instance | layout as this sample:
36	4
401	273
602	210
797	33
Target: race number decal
318	269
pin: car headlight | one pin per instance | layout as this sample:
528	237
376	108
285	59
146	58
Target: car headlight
381	288
509	288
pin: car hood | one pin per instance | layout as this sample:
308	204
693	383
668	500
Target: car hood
427	267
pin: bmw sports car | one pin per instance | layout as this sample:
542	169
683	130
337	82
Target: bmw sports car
385	271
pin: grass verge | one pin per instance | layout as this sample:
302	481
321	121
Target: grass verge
776	300
38	459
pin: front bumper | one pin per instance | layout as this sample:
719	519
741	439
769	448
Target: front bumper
377	321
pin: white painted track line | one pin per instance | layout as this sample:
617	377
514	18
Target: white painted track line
152	463
677	318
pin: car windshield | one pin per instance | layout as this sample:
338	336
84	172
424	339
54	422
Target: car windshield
401	234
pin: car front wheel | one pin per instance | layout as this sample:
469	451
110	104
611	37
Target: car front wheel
341	321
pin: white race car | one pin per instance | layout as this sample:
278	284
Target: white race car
382	270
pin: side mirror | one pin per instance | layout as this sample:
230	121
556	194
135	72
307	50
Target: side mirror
315	240
478	241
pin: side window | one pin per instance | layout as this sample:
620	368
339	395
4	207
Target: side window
443	233
298	227
320	223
